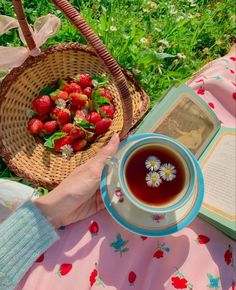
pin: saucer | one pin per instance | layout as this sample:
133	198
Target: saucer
137	220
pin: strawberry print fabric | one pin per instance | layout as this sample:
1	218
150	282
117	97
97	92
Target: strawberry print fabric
97	253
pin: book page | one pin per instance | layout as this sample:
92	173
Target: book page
219	170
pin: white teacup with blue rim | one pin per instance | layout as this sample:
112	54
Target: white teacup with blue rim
157	174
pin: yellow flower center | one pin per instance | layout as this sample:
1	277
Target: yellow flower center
153	162
154	179
167	171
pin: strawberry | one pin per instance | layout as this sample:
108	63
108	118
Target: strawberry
93	276
93	228
132	277
42	105
54	113
64	269
201	91
61	95
85	80
102	126
201	239
93	117
72	88
50	127
35	126
76	133
107	111
43	118
63	117
158	254
105	93
67	140
211	105
88	91
80	114
228	256
92	138
67	128
78	100
40	259
143	238
179	283
79	144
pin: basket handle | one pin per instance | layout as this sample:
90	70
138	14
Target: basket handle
115	70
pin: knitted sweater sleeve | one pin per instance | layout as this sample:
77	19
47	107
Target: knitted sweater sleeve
24	236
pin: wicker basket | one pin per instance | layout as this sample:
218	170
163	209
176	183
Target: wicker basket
23	155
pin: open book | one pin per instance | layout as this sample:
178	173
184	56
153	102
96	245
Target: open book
183	115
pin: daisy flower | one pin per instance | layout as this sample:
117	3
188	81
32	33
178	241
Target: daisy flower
153	163
61	104
153	179
66	150
167	172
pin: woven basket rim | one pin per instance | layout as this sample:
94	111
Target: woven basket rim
9	80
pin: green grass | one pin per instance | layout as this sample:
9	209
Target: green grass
145	37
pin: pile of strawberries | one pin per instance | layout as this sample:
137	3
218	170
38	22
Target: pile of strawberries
71	114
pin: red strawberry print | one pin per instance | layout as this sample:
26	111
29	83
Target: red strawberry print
143	238
102	126
59	143
201	239
201	91
107	111
64	269
234	95
228	255
40	259
201	80
179	283
93	276
93	117
232	71
35	126
42	105
63	117
132	277
85	80
233	58
50	127
158	254
88	91
79	144
94	228
211	105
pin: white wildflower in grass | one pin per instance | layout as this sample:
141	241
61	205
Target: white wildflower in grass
161	48
193	4
157	29
152	163
113	28
198	14
190	16
167	172
153	179
180	55
176	61
206	50
181	17
66	150
60	104
218	42
164	42
143	40
153	5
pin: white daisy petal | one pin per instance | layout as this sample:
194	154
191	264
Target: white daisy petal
60	103
153	179
153	163
66	150
167	172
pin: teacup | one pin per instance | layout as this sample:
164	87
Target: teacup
156	174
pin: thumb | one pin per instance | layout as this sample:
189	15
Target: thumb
108	150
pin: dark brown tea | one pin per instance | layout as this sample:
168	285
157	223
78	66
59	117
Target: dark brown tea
155	186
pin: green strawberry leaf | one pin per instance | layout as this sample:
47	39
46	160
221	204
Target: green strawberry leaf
84	124
61	83
118	237
55	92
49	140
99	101
46	91
101	80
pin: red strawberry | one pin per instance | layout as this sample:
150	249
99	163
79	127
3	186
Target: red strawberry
79	144
179	283
54	113
63	117
233	58
76	133
88	91
42	105
72	88
143	238
102	126
91	138
93	117
107	111
85	80
67	140
211	105
203	239
40	259
105	93
201	91
35	126
80	114
50	127
234	95
43	118
78	100
93	276
158	254
93	228
61	95
67	128
132	277
228	256
64	269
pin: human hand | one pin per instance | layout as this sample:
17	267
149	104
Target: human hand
62	206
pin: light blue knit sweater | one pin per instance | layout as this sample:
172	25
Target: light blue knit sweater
24	236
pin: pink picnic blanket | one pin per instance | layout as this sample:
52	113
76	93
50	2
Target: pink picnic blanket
97	253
